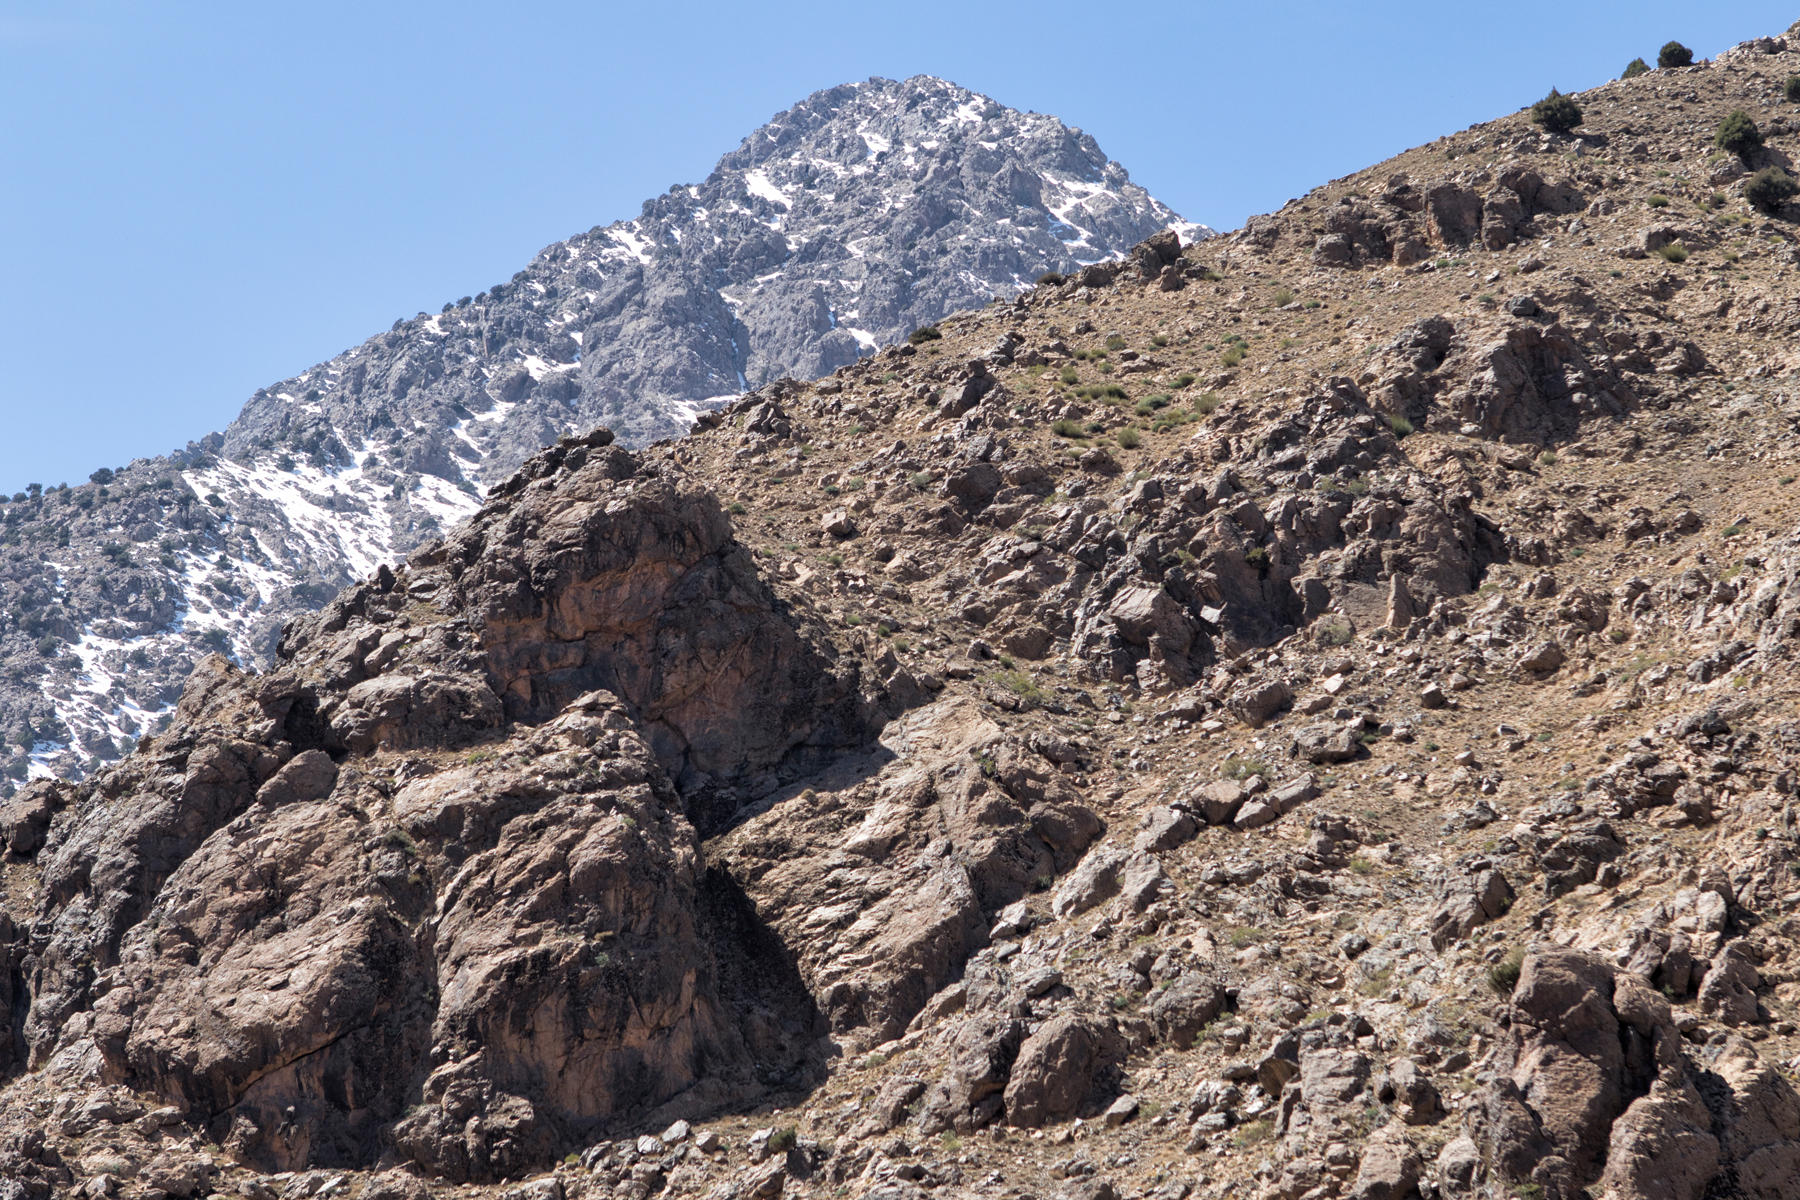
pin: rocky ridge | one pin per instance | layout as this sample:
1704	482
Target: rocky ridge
1292	716
858	215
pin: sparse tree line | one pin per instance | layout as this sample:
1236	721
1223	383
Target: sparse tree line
1768	190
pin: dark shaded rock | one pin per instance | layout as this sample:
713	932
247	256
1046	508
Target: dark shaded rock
1067	1064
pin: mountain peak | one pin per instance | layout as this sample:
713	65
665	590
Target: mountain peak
843	223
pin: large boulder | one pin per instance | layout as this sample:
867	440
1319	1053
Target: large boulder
1186	1007
979	1052
1068	1064
1149	616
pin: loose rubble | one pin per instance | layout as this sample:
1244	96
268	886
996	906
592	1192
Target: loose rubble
1301	716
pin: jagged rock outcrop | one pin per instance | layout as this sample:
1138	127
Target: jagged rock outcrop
1598	1090
431	886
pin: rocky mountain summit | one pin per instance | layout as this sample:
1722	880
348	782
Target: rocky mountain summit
858	215
1306	715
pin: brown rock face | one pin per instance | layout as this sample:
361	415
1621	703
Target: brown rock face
1601	1090
1061	1066
963	783
885	898
430	888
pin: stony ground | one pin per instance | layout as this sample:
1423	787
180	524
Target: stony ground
1303	715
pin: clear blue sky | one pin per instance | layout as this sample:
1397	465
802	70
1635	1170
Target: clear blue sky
201	198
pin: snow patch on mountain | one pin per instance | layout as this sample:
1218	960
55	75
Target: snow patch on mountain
849	220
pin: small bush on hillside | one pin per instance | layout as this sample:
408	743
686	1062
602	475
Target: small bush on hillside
1236	768
1769	189
1024	687
1674	54
1674	252
923	334
1634	68
1503	976
1128	438
1067	428
1738	134
1556	112
1336	632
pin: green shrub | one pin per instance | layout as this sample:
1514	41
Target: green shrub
1253	1133
1658	201
1503	976
1556	112
923	334
1232	356
1791	89
1738	135
1206	403
1160	340
1067	428
1023	686
1283	297
1237	769
1674	54
1674	252
1115	342
1336	632
1400	425
1128	438
1769	189
1634	68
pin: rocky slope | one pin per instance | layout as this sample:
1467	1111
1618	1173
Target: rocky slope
1305	715
858	215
